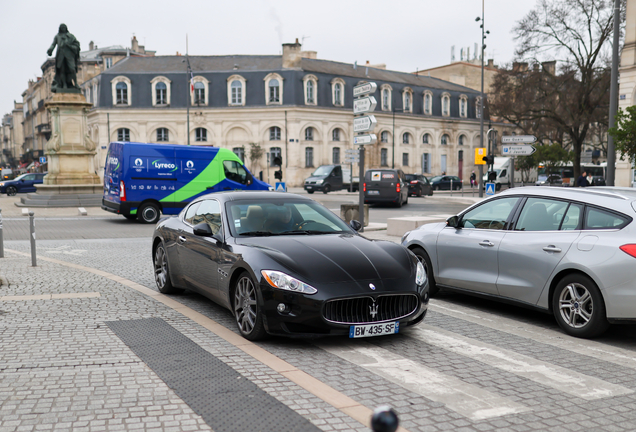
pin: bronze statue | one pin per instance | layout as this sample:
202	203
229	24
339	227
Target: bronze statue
66	61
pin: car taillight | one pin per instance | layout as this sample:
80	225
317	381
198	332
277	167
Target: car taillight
122	191
397	187
364	187
629	249
413	181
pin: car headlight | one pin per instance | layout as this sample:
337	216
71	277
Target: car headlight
319	181
283	281
420	274
1	184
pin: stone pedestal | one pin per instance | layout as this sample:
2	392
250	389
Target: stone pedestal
72	176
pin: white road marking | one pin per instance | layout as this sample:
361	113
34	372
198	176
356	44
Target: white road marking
465	399
556	338
547	374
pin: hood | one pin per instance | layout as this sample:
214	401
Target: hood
314	178
325	259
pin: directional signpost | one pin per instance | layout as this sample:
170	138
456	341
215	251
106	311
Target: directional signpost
517	150
517	139
363	103
351	156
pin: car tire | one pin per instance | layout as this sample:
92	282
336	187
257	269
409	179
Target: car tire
398	203
131	217
435	188
310	192
326	189
148	213
11	190
162	272
426	262
419	191
407	200
247	309
578	306
498	187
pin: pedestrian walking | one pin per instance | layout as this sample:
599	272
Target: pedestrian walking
582	180
473	179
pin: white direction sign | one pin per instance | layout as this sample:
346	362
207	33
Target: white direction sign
365	139
364	124
364	89
518	150
365	104
513	139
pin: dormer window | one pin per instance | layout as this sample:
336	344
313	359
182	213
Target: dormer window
121	91
160	91
463	106
311	89
407	99
337	91
446	105
428	103
385	94
236	90
273	89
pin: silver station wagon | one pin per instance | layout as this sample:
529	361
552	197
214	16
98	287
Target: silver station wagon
567	251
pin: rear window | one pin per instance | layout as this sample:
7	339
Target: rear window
410	177
596	218
382	176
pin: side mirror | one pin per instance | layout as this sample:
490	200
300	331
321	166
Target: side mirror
452	222
202	229
250	178
355	225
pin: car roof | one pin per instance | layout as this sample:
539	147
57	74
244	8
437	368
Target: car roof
253	195
611	197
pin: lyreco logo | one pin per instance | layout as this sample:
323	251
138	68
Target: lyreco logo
164	165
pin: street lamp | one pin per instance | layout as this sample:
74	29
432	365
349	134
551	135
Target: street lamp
484	32
393	135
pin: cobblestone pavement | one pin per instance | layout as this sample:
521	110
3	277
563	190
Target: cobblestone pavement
471	366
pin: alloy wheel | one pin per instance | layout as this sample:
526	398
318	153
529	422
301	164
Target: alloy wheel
161	268
576	305
245	305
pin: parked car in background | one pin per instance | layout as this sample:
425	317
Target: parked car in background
418	185
22	184
444	182
566	251
386	186
328	178
7	174
552	179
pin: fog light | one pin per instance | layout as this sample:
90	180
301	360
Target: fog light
282	307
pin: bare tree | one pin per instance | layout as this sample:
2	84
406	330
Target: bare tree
559	104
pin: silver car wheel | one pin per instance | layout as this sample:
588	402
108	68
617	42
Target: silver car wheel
245	305
576	305
161	268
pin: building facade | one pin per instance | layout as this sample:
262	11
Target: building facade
291	105
627	91
12	136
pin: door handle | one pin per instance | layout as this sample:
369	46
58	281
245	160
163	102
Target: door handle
552	248
486	243
182	239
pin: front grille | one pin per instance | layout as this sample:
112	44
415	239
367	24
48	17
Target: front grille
360	310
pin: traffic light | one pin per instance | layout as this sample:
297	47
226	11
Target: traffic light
278	175
490	159
492	176
278	161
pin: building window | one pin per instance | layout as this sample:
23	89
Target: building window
407	100
162	93
274	133
274	91
121	90
237	92
310	83
309	134
240	152
384	157
162	135
386	96
462	139
199	93
384	137
335	135
273	153
200	134
337	94
335	153
426	163
445	139
428	103
463	106
478	107
123	135
405	159
426	139
446	105
309	157
406	138
109	62
310	92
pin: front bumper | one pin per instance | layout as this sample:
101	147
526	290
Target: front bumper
313	187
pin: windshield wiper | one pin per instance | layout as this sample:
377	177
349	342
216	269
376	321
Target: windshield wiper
308	232
256	233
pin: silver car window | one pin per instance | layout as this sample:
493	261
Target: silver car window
572	217
491	215
601	219
540	214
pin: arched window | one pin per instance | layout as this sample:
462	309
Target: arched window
123	135
406	138
428	103
462	139
274	133
237	92
386	97
337	94
426	139
309	134
161	90
199	93
446	105
309	157
310	89
407	100
310	92
445	139
478	107
384	137
121	90
335	135
162	135
274	90
463	106
200	134
335	153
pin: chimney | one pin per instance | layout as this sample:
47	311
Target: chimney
491	63
549	67
91	46
291	55
135	44
519	67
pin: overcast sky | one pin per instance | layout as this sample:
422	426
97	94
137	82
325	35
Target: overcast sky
405	34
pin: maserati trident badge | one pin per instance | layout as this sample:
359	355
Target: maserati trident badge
372	286
373	310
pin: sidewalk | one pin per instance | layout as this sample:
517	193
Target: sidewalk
10	210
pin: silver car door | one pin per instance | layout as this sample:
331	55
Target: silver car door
543	233
467	255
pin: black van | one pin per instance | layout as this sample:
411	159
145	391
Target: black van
386	186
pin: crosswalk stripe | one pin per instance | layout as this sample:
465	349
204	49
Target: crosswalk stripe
547	374
464	398
546	336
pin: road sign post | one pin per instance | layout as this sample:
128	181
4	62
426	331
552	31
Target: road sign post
518	150
518	139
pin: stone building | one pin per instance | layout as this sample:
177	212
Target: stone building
627	91
465	73
12	136
293	105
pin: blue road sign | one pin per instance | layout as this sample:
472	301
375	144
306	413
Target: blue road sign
490	189
42	159
280	187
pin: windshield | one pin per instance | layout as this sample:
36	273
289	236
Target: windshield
267	218
436	178
322	171
20	176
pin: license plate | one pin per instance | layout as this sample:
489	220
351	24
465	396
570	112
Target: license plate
370	330
309	187
372	192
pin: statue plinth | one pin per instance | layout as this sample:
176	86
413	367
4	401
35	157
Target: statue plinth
71	179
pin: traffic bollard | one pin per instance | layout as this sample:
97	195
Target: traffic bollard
451	187
32	230
1	237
